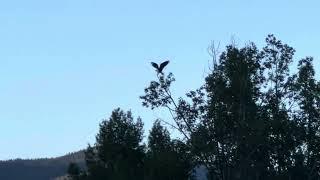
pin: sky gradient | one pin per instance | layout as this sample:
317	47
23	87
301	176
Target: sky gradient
66	64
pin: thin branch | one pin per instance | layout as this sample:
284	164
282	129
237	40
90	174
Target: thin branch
167	123
178	128
213	51
177	111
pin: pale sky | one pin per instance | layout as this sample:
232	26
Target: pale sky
66	64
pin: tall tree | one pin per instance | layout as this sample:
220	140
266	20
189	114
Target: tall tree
233	127
278	98
118	152
166	159
308	116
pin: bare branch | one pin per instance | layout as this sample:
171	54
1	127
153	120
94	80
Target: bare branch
213	51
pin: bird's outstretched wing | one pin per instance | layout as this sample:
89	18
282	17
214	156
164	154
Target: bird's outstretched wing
155	65
162	65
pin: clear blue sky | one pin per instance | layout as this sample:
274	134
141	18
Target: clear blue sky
66	64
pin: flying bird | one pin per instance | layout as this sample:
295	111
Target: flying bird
161	67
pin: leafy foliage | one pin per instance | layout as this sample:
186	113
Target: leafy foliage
118	152
253	119
166	159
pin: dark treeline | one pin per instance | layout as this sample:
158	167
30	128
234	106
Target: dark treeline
39	169
252	119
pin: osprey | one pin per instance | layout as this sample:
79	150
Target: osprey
159	68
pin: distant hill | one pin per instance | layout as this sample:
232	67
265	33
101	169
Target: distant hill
39	169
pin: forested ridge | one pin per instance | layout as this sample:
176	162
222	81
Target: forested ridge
39	169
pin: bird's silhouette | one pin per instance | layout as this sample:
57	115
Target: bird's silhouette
160	67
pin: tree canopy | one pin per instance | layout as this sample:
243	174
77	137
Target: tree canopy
253	118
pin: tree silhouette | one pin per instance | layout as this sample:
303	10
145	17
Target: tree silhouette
118	152
166	159
252	119
74	172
